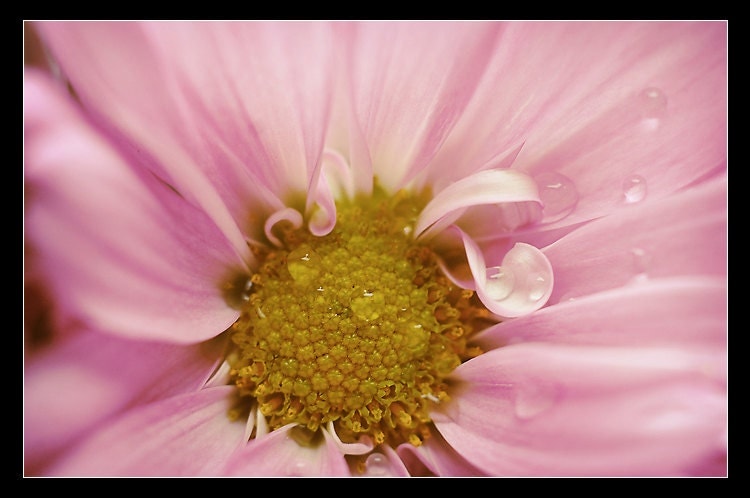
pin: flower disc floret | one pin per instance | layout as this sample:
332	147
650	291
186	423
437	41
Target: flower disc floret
358	327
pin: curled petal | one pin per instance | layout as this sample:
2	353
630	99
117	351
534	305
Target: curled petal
521	285
365	445
485	187
287	214
321	206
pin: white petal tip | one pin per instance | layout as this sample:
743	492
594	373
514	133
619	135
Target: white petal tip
521	285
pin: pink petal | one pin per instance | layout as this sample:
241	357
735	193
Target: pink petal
599	102
88	377
321	206
410	82
685	234
120	248
385	464
438	458
359	447
538	409
277	454
690	312
187	435
485	187
289	215
239	106
520	285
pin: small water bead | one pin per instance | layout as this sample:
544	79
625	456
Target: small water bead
641	263
500	282
634	189
377	465
304	265
558	194
533	398
653	103
299	469
537	286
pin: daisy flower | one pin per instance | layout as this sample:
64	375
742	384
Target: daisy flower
377	249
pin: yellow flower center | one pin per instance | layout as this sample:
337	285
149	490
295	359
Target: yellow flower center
358	327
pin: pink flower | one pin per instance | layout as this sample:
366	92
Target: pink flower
577	184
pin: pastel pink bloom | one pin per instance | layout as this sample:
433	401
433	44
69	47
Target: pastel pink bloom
588	159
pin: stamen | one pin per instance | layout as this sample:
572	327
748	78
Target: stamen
356	330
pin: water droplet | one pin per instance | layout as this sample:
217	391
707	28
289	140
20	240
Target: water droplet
237	290
641	262
246	290
500	282
298	469
534	398
376	465
634	189
304	265
537	286
558	194
653	103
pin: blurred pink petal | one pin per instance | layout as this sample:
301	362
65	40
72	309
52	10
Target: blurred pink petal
542	410
95	376
185	435
119	246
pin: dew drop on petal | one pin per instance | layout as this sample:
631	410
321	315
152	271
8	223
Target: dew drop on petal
641	262
653	103
500	282
558	194
304	265
245	296
237	291
533	399
377	465
634	189
537	285
298	469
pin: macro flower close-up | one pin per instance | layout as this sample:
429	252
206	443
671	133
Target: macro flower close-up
375	248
